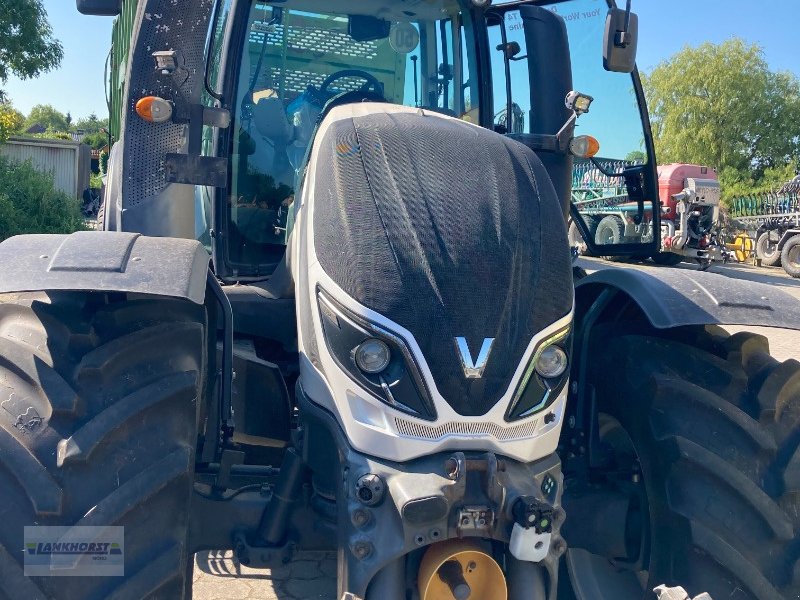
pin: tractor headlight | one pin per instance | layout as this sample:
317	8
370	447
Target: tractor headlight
545	377
552	362
372	356
379	361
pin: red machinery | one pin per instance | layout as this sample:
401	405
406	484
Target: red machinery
690	198
672	180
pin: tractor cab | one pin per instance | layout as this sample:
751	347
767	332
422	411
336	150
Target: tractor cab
278	67
294	62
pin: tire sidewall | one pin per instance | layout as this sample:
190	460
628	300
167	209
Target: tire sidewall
791	245
614	227
762	243
667	534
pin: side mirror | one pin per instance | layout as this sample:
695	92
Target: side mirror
620	40
100	8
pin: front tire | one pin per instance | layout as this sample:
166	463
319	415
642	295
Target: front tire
610	230
98	427
713	420
767	249
790	256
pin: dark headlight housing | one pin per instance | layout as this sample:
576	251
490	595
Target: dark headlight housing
535	393
400	384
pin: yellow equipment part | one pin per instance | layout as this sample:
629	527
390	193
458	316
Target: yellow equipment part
742	246
460	570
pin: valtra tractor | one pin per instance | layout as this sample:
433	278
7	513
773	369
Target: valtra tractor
333	308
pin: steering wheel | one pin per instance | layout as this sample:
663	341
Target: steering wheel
371	83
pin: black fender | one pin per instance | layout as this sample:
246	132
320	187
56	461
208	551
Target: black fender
105	261
677	297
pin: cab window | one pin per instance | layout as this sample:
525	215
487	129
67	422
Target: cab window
294	61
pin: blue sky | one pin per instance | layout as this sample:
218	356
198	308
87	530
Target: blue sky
665	27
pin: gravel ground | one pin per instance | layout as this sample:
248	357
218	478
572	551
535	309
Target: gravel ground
312	576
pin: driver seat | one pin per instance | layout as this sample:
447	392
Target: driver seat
273	124
271	121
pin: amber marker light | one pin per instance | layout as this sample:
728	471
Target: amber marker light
584	146
154	109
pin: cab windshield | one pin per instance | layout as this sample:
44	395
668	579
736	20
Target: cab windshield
298	55
603	210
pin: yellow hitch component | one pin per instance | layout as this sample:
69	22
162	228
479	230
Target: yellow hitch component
742	246
460	570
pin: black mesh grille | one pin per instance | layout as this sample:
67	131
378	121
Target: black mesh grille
166	24
448	230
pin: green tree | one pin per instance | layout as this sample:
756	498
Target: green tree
27	46
636	155
91	124
96	140
11	121
721	106
48	117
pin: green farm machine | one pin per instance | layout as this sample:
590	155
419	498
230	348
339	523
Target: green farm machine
773	221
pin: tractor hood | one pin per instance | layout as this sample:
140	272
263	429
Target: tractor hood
448	230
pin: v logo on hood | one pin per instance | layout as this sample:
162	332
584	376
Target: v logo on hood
473	369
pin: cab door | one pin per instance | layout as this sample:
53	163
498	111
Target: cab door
538	55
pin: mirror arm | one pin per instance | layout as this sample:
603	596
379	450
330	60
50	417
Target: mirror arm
563	132
507	66
622	36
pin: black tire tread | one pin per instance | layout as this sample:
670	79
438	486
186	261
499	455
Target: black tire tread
148	580
141	488
718	425
13	583
718	418
38	374
730	480
100	221
768	260
115	385
83	442
744	346
791	268
725	554
31	475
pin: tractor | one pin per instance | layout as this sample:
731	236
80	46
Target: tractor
333	307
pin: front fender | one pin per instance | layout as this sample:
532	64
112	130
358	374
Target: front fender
677	297
105	261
